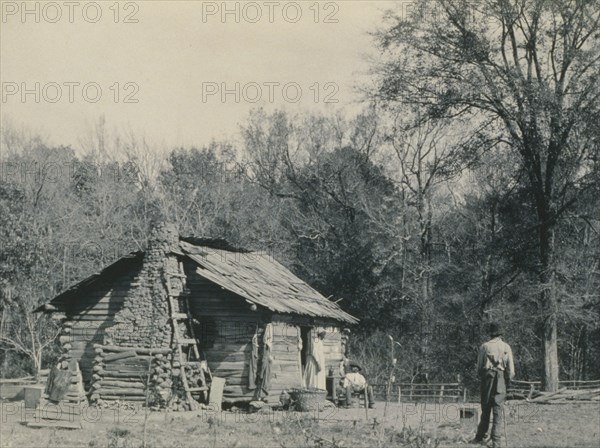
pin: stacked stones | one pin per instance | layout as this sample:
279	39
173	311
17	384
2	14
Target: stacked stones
65	339
136	361
161	379
144	319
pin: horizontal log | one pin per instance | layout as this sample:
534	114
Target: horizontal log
228	357
135	384
288	357
237	390
226	365
98	312
112	306
91	314
230	348
574	393
289	337
332	351
139	360
424	387
284	362
290	368
79	325
121	391
286	381
88	335
123	398
237	381
232	376
138	350
575	382
547	396
287	351
108	368
107	374
120	355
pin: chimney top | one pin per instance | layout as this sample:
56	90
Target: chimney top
164	235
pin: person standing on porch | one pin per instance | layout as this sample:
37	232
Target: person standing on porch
314	373
495	367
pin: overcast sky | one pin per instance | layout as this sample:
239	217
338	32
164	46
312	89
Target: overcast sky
175	59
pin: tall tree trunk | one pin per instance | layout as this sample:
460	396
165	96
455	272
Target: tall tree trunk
550	308
426	318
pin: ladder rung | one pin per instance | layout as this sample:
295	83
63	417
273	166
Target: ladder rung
198	389
187	342
193	363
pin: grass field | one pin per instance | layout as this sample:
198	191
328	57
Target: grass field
431	425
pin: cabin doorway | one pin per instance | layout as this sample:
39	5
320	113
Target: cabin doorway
305	334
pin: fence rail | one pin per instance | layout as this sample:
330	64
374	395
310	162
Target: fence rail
457	392
435	392
526	389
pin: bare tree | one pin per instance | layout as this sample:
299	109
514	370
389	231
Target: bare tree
518	73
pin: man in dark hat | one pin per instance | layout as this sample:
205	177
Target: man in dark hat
354	381
495	367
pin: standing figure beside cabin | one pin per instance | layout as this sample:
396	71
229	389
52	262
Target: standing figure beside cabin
314	374
495	367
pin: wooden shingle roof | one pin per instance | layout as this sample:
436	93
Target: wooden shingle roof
260	279
255	276
124	264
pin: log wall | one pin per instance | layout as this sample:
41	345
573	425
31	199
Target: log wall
333	348
286	369
123	373
229	358
89	317
227	324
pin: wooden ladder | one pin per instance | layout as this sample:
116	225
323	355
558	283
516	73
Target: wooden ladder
182	341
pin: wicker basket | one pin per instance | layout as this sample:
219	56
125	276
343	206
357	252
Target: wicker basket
306	400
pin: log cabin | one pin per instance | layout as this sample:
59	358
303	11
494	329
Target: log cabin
157	326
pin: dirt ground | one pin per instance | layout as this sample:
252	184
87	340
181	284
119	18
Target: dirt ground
412	425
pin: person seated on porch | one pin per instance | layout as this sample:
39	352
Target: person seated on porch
355	382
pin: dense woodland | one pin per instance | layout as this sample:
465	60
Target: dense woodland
466	191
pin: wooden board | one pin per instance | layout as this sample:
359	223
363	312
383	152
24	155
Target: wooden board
216	392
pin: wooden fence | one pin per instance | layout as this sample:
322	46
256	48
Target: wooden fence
412	392
457	392
526	389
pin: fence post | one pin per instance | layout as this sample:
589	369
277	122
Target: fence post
399	394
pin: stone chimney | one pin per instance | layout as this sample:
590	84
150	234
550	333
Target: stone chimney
144	319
